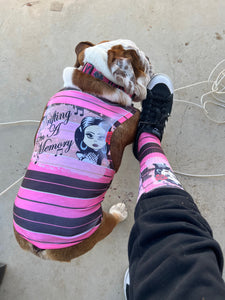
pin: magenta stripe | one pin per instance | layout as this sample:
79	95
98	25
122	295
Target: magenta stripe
151	136
81	95
147	138
123	119
58	199
51	238
54	210
84	103
75	93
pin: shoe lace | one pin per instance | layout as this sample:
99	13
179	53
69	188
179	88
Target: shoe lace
156	113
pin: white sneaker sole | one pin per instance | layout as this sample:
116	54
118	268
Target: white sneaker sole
126	282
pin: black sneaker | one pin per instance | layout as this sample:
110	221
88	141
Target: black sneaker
156	108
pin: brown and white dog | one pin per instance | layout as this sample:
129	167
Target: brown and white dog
123	72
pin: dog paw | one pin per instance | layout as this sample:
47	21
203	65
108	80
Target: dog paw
119	211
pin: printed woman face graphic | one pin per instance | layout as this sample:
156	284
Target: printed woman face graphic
94	137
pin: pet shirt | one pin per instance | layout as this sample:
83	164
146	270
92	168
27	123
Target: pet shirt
59	202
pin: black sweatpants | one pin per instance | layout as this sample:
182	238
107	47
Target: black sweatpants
172	254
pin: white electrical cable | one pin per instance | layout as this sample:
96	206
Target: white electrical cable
191	85
217	89
9	187
19	122
16	123
199	175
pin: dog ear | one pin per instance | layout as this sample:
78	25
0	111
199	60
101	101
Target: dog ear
79	52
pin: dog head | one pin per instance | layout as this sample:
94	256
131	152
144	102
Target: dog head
121	61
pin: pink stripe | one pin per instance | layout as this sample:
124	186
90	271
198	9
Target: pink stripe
29	235
74	93
152	137
90	106
91	98
123	119
107	109
82	103
147	138
58	199
54	210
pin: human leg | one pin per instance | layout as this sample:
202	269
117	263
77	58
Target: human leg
172	253
155	169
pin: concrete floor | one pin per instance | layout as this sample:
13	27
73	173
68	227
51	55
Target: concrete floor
183	38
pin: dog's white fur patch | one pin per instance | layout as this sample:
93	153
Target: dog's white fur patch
119	210
67	78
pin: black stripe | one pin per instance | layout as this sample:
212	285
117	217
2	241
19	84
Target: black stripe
148	149
49	229
151	145
55	220
53	178
53	188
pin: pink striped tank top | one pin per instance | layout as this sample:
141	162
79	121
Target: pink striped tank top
59	202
